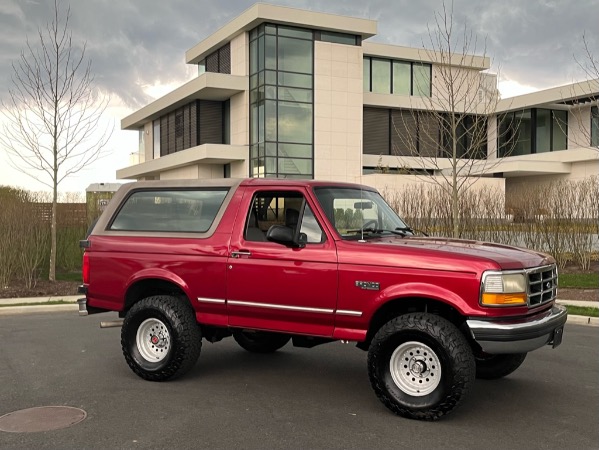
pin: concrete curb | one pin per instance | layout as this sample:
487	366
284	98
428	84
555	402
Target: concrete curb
17	301
36	309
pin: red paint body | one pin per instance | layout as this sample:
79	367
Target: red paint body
310	290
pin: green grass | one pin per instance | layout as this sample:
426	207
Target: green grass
70	276
582	311
579	280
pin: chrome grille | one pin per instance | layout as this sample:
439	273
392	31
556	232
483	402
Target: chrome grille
542	285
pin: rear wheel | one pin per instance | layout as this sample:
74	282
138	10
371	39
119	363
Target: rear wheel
420	366
492	367
260	341
160	338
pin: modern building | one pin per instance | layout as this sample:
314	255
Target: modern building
289	93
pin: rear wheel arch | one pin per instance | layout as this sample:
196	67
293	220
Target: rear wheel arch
149	287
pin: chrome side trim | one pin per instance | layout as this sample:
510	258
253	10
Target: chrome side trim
347	312
219	301
283	307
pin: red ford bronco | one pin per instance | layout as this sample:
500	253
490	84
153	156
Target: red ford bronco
269	261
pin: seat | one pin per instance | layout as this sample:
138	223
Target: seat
253	233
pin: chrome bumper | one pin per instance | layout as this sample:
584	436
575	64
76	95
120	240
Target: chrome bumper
519	335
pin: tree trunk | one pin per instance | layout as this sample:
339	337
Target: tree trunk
52	269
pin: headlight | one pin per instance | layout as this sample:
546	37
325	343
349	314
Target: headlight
503	289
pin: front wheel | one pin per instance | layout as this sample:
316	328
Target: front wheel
420	366
160	338
492	367
260	341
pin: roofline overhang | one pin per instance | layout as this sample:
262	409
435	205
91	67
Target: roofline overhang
262	12
201	154
559	97
208	86
426	56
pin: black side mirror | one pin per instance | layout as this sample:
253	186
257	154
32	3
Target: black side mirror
282	235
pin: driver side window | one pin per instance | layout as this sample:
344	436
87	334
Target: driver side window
282	208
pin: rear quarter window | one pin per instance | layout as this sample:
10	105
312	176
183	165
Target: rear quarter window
191	211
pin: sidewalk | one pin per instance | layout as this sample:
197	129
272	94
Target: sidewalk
5	309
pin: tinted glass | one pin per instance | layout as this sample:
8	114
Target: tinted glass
295	122
170	211
381	76
295	55
560	130
422	80
366	74
401	77
543	131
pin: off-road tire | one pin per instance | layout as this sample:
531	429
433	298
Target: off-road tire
492	367
260	341
424	333
176	319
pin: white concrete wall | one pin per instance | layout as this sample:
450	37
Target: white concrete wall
239	110
148	141
579	127
240	54
338	97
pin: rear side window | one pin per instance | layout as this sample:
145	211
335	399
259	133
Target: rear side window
191	211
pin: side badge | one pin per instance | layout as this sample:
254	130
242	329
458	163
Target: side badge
368	285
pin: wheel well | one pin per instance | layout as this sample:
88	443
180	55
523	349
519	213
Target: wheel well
397	307
148	287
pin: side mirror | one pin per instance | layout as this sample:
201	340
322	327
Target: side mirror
282	235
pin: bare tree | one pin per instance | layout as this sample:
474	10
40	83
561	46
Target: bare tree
587	98
446	132
52	112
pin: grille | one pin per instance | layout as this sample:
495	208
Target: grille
542	285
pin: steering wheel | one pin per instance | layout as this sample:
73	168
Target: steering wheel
370	224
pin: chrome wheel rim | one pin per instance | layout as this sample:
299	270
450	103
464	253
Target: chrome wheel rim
153	340
415	368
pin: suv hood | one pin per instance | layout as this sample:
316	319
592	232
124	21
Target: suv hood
507	257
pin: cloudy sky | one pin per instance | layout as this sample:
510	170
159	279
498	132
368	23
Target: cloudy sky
137	47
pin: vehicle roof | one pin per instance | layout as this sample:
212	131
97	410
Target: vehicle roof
234	182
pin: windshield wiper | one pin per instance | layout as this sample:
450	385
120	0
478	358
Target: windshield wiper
399	231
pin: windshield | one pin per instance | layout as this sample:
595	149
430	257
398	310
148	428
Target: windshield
355	212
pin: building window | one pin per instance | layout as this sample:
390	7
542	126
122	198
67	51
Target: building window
595	126
337	38
217	62
381	76
385	76
281	102
403	132
536	130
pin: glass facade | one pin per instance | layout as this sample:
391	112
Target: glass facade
281	102
386	76
535	130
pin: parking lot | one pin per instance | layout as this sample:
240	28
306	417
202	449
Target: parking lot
295	398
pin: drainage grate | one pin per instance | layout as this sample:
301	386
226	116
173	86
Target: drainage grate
42	418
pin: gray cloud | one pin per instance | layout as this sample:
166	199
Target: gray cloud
137	42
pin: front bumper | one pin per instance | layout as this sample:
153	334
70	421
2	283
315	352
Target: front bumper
519	335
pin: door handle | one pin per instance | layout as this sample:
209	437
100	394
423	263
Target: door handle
240	253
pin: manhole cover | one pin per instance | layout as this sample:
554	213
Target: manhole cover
43	418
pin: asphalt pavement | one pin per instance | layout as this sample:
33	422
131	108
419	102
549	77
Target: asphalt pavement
295	398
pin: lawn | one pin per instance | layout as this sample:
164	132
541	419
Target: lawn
579	280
